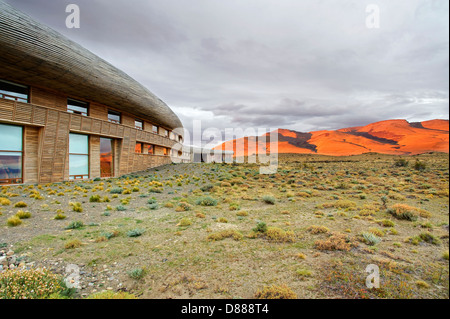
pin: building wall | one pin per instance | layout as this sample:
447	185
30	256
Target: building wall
47	126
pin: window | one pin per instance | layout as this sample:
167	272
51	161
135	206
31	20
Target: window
114	117
154	129
10	154
138	124
166	151
77	107
164	132
78	156
151	149
139	148
106	157
13	91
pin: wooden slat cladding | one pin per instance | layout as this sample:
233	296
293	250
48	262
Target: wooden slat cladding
46	137
48	99
31	158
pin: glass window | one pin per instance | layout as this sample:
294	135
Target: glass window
13	91
166	151
151	149
77	107
164	132
138	124
154	129
10	154
106	157
114	116
139	148
78	156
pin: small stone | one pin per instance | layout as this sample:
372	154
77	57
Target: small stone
109	288
12	266
10	253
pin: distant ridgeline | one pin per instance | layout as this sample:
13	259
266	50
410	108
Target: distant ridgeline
398	137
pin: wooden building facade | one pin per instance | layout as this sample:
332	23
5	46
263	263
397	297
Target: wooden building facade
67	114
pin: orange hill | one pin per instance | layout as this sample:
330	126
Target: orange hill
387	137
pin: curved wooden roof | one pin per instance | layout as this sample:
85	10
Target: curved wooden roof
33	53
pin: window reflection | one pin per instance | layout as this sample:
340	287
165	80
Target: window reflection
10	154
78	156
106	157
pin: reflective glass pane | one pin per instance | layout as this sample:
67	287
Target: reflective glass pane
12	91
10	165
10	138
78	144
106	157
78	165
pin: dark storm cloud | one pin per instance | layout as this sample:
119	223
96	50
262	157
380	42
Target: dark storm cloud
302	65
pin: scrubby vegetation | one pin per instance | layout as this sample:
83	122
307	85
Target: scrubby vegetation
227	231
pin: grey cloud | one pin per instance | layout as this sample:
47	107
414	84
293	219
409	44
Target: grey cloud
302	65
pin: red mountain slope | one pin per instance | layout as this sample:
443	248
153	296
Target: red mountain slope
387	137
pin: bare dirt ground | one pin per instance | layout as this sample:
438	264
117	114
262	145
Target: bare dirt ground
168	232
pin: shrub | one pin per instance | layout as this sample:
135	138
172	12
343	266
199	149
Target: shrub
430	238
184	222
225	234
152	201
116	191
276	292
445	255
242	213
303	272
261	227
29	284
406	212
76	207
376	232
207	188
371	239
135	232
23	215
268	199
14	221
386	223
419	166
20	204
206	201
94	198
137	273
336	241
401	162
318	229
59	216
5	201
168	205
183	207
279	235
72	244
75	225
121	208
153	206
112	295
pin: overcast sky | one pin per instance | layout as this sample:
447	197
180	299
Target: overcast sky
297	64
